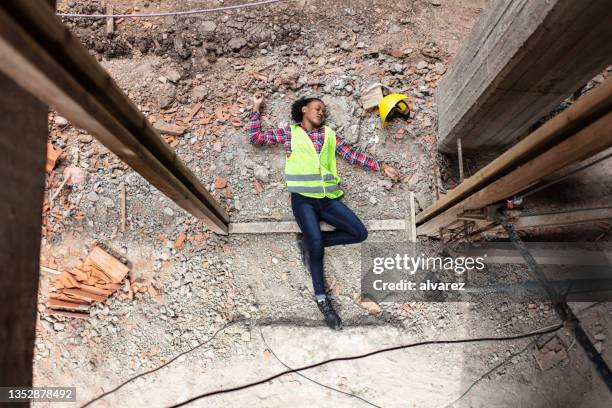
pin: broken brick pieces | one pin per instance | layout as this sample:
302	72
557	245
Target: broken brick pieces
74	290
52	156
551	354
168	128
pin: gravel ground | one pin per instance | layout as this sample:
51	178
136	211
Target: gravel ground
333	50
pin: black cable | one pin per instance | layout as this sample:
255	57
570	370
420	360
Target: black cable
508	358
310	379
492	370
161	366
360	356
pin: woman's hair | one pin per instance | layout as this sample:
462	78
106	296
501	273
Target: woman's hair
296	109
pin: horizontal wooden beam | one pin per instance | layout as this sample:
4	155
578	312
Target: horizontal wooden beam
38	52
588	108
520	61
277	227
582	145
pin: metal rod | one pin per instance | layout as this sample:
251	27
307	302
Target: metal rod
561	307
460	160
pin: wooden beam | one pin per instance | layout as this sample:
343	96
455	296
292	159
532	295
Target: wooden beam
586	143
588	108
23	141
41	55
521	60
278	227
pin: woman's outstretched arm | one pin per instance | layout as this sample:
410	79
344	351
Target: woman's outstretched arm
356	157
260	136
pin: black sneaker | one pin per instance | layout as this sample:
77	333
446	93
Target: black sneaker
303	253
332	319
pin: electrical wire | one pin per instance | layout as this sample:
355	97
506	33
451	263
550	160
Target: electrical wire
360	356
310	379
161	366
514	355
492	370
167	14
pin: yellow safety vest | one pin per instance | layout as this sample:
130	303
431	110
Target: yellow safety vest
311	174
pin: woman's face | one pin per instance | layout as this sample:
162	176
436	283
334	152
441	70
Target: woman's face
314	112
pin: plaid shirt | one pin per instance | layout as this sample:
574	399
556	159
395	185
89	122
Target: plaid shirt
317	135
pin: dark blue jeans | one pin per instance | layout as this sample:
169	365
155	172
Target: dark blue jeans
308	213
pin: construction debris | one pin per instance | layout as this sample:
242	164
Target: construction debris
94	280
169	129
52	156
550	354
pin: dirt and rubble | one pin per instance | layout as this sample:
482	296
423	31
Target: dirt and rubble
193	78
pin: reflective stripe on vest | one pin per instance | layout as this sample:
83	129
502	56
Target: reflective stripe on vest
313	190
308	177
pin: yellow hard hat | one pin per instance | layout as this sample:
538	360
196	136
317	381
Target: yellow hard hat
392	105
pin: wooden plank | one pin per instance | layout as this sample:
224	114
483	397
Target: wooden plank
62	73
584	144
279	227
23	147
556	219
110	21
580	216
108	264
587	109
521	59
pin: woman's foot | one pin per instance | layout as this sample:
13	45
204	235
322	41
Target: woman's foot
332	319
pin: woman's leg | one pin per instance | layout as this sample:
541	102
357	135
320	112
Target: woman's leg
349	228
306	212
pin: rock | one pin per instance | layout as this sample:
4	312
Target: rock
385	183
246	336
168	128
166	95
339	83
397	68
58	326
85	138
220	183
421	65
199	92
168	211
440	68
599	79
346	46
373	200
436	2
600	337
372	307
208	26
173	75
237	43
92	196
261	173
108	202
61	121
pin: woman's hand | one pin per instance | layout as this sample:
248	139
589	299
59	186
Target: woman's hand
257	101
391	172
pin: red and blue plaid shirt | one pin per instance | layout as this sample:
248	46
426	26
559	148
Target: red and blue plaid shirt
317	135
